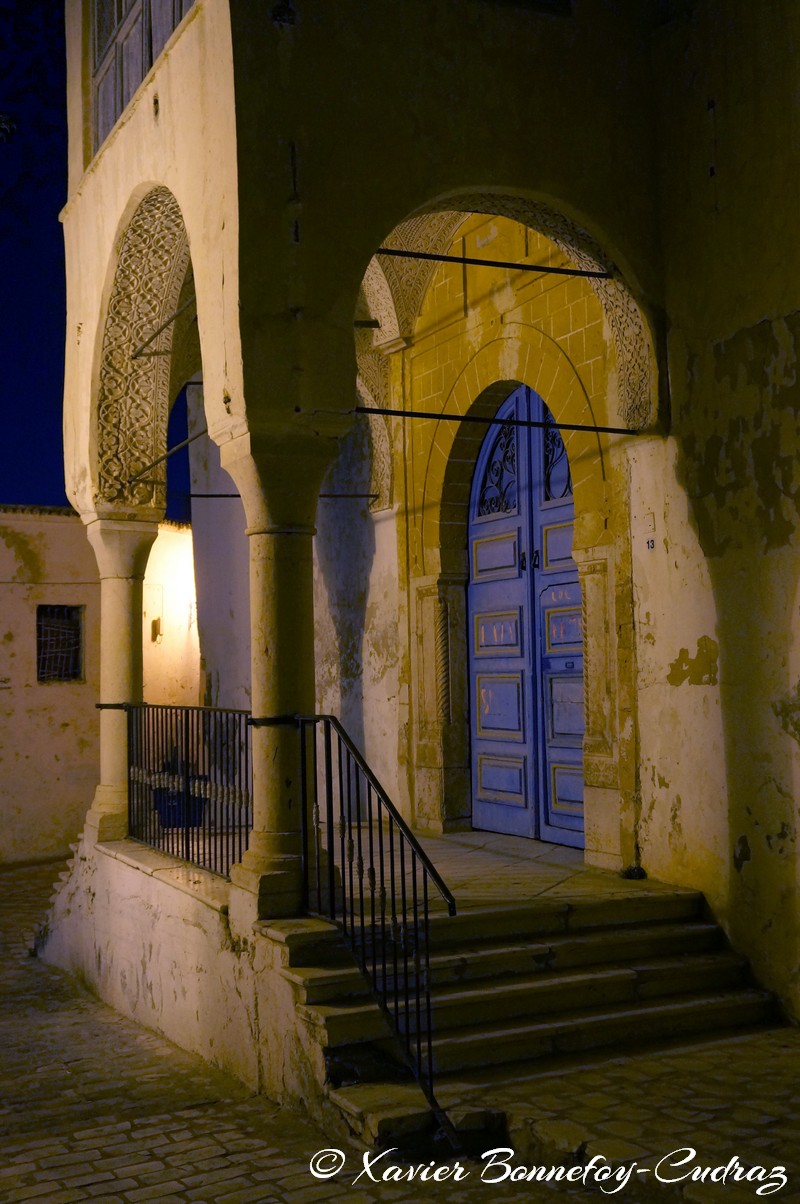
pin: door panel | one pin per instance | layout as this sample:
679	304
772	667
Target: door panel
526	632
503	779
498	633
496	557
501	654
501	710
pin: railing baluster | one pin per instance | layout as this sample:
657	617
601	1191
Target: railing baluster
404	941
372	878
329	821
189	782
360	864
382	895
342	833
417	975
305	842
351	844
427	991
146	723
395	929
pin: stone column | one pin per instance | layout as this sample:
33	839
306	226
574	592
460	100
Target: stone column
279	482
121	547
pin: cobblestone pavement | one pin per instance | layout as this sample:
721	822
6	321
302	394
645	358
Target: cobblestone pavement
733	1098
93	1107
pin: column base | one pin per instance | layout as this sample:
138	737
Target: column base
107	818
265	890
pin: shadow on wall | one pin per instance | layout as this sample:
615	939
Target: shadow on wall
744	501
344	550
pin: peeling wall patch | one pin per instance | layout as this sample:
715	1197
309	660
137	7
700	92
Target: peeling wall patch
698	670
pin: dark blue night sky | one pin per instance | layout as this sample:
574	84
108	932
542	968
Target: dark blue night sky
33	188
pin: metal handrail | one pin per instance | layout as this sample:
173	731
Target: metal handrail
365	870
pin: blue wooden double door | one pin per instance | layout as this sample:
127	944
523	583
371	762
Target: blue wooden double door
525	631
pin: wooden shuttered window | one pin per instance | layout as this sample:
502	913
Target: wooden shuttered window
127	38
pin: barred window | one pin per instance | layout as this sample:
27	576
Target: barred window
59	643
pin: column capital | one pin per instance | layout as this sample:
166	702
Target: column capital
121	546
279	476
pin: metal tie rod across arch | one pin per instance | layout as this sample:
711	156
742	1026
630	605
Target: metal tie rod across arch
141	350
495	421
144	480
591	274
398	253
425	414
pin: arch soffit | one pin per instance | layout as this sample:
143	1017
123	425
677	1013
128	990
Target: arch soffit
129	415
434	230
379	440
523	356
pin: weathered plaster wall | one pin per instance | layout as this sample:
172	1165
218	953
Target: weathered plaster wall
151	936
222	571
730	170
48	730
356	610
682	833
170	648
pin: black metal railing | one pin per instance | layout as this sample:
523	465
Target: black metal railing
366	871
190	782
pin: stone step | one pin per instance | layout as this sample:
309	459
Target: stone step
571	951
339	978
308	941
327	984
355	1019
569	991
353	1024
550	917
383	1115
595	1029
398	1116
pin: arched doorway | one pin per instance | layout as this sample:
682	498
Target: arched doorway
525	634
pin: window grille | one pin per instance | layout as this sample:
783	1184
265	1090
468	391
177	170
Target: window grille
127	38
59	643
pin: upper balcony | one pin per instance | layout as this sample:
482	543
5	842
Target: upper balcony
126	38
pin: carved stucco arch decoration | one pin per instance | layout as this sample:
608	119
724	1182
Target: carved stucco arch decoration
377	301
408	279
133	394
433	231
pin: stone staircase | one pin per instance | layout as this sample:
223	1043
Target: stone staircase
36	935
66	872
520	988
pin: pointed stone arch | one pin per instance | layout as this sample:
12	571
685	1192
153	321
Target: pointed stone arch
132	406
433	230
